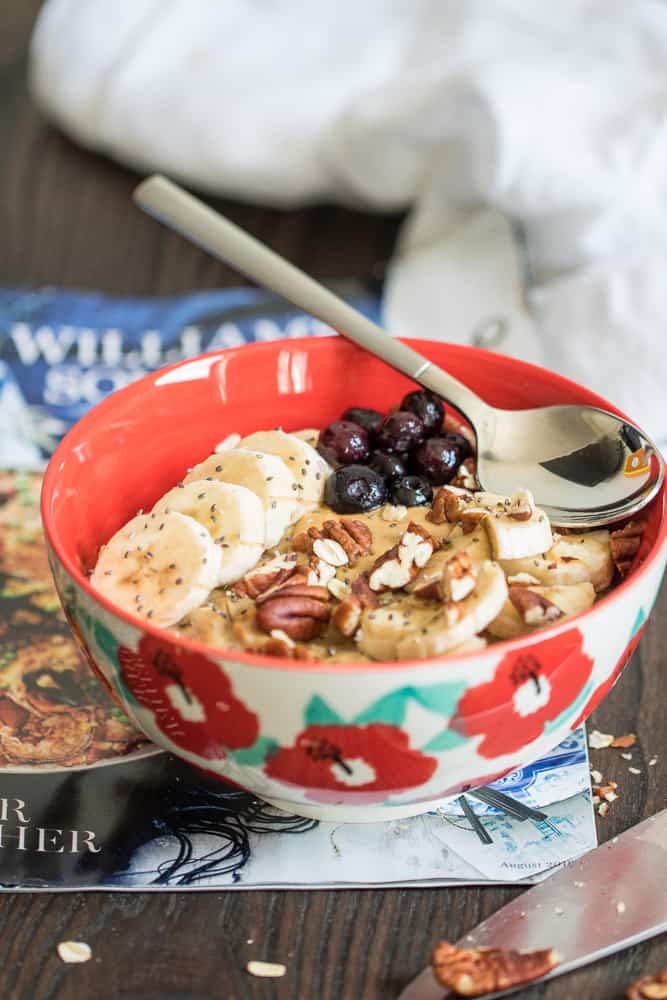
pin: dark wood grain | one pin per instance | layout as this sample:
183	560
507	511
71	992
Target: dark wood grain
66	219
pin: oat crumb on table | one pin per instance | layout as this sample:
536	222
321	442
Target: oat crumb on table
74	951
266	970
598	740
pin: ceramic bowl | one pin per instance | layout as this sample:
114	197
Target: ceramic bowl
358	742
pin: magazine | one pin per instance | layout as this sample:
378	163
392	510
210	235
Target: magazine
86	802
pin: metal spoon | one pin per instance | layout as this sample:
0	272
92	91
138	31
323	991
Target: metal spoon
586	467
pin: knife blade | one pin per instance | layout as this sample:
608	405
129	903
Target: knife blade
613	897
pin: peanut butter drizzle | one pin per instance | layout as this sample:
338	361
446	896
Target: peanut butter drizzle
228	621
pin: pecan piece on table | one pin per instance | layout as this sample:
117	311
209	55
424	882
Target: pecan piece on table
625	544
472	972
301	611
625	741
648	988
534	608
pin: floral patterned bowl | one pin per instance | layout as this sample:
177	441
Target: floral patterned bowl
338	741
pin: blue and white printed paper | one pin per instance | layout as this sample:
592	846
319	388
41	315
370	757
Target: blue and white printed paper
62	352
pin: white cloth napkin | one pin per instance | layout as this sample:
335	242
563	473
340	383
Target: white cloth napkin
521	136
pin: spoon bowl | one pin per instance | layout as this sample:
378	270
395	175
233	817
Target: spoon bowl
585	466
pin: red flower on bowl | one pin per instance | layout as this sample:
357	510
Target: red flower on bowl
603	690
190	696
372	758
529	690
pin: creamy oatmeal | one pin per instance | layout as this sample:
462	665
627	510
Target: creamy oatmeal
366	541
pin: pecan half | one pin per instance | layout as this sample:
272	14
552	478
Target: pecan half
437	513
472	972
272	574
648	988
330	552
354	537
300	611
304	541
625	544
534	608
347	615
522	506
448	505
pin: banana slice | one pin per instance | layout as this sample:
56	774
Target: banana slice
160	567
473	645
410	629
382	629
233	515
310	435
571	559
306	465
265	475
455	624
570	600
231	441
516	539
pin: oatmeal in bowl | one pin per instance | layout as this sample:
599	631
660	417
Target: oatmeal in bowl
336	618
285	544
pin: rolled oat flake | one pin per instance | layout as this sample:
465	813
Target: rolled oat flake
266	970
74	951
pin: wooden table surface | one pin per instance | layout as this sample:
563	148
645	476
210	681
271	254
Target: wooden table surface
66	219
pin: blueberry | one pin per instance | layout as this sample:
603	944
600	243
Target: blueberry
401	431
370	420
462	443
411	491
344	442
438	459
354	488
428	407
389	466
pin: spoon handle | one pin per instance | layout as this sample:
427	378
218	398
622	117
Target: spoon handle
188	215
